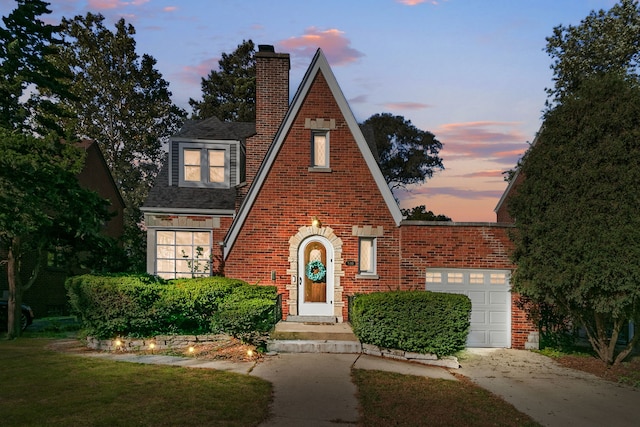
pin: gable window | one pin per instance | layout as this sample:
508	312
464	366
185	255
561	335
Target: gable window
183	254
319	149
367	256
204	166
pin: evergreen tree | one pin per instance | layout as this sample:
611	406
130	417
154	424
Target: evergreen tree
230	93
27	46
577	224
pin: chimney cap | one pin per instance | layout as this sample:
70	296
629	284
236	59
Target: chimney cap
266	48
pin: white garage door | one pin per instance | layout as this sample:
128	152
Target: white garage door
490	298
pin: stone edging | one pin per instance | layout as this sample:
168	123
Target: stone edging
425	359
159	342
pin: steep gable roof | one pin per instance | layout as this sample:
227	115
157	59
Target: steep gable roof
319	64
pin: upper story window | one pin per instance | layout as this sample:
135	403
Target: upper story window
203	165
320	149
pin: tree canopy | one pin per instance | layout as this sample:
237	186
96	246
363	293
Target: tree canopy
27	46
604	41
407	155
420	213
122	102
577	223
230	93
42	206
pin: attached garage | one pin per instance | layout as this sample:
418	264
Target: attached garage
490	298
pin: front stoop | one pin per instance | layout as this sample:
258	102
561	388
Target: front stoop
312	337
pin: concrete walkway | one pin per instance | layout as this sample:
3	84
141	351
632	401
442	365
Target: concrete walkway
549	393
315	389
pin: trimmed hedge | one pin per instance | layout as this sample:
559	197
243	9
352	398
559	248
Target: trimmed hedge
416	321
143	305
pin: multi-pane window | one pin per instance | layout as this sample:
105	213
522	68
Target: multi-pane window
367	255
433	277
454	277
192	166
183	253
203	166
216	165
320	149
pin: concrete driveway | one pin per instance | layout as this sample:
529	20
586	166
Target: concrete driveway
549	393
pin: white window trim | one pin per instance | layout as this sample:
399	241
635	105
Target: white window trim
204	165
153	242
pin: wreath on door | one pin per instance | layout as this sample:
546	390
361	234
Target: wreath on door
316	271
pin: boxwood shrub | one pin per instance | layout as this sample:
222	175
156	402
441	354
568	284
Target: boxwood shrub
143	305
416	321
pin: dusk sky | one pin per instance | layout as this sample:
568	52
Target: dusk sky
473	72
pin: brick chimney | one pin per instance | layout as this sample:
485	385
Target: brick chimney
272	103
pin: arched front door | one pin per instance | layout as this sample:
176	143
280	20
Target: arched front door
315	277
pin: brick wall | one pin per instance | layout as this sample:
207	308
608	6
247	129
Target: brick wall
459	245
292	195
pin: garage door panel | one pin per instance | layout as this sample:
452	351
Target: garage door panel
477	339
497	318
478	317
499	338
498	297
477	297
488	290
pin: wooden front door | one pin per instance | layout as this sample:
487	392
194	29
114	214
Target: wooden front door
315	277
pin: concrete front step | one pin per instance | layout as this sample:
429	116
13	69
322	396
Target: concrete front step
314	346
311	337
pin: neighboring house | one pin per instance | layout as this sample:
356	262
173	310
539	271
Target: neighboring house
297	200
47	296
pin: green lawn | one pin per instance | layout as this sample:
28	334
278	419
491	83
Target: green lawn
40	387
390	399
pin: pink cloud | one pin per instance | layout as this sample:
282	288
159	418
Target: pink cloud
333	43
170	9
416	2
498	141
496	173
113	4
406	106
193	74
358	99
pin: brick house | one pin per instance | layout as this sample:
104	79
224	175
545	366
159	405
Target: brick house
297	200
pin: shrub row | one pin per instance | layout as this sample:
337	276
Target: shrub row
143	305
416	321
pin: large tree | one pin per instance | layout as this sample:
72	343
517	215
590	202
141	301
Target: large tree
420	213
407	155
27	45
41	206
577	220
604	41
123	103
230	93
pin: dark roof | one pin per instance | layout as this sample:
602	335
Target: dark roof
213	128
163	196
